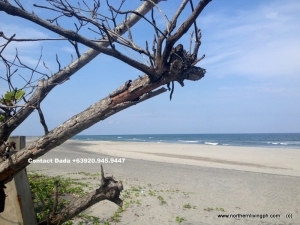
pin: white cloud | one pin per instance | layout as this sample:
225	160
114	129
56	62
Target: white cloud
29	51
264	41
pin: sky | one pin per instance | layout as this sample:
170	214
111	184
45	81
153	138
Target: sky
252	84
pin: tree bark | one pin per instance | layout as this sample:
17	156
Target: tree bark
126	96
45	86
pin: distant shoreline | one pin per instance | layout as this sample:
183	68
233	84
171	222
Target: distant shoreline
266	160
264	140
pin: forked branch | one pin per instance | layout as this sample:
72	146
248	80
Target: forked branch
109	189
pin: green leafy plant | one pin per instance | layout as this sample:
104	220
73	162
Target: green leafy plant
127	194
95	219
152	193
136	189
209	209
12	97
187	206
42	191
217	209
220	209
162	200
179	219
116	217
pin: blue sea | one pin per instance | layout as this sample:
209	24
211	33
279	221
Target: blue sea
274	140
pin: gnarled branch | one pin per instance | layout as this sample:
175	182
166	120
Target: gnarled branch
66	73
109	189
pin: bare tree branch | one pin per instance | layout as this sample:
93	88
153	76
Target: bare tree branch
42	119
109	189
31	39
136	92
9	40
12	10
171	40
55	197
65	74
134	12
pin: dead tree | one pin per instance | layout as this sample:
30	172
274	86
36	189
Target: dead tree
109	189
168	59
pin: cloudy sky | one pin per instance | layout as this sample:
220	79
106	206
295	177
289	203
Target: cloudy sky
252	84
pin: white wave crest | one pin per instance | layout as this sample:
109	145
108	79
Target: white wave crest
283	143
211	143
188	141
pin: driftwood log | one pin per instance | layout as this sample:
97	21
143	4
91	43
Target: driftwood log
109	190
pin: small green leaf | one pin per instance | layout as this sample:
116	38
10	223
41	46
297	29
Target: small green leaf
8	96
19	94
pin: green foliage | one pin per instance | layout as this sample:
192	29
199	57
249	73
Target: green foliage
88	174
209	209
42	191
2	118
136	189
162	200
127	194
187	206
220	209
19	94
126	205
152	193
11	97
217	209
179	219
89	217
117	217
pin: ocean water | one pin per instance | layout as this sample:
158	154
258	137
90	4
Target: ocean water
275	140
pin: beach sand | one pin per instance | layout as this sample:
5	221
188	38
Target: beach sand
197	183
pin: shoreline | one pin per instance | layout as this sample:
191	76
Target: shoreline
266	160
252	159
182	143
207	189
252	140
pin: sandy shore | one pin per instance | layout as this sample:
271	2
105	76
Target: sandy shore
267	160
197	182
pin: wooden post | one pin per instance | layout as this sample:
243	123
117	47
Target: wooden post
19	208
